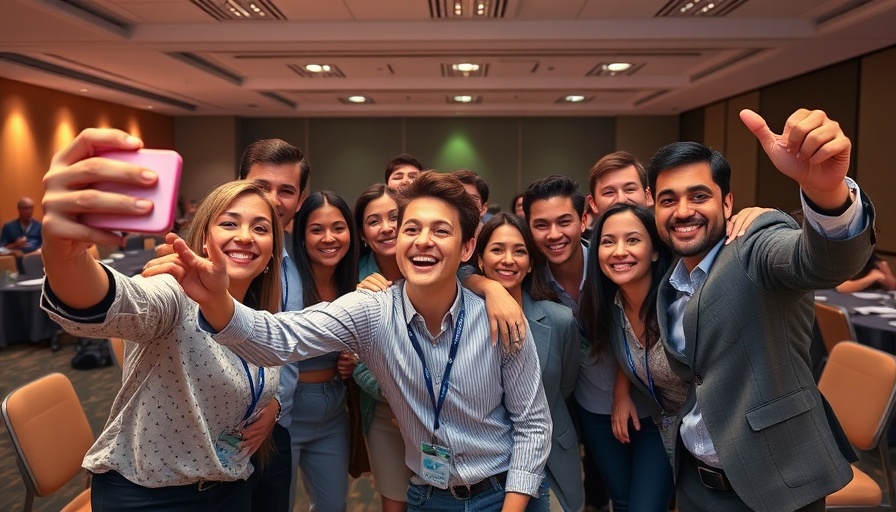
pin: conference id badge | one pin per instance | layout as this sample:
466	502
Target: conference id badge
227	447
435	464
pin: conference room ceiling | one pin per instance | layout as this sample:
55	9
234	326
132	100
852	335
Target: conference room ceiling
518	57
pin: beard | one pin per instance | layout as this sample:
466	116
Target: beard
712	233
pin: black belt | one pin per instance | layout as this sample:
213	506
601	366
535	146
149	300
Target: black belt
465	492
712	477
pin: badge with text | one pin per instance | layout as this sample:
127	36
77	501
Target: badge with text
228	447
435	464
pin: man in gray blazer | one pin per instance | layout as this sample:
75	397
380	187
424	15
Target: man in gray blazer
736	320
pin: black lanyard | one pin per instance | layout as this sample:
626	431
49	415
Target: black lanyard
427	376
256	395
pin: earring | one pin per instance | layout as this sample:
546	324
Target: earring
266	269
529	271
654	257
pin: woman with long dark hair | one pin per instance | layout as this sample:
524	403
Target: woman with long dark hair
313	409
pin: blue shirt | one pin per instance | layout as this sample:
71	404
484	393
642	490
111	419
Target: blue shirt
495	417
13	230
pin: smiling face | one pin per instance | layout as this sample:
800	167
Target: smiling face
429	247
506	259
557	228
281	184
691	211
327	237
244	232
619	186
379	225
402	176
625	251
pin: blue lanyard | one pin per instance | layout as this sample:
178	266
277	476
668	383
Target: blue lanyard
649	383
427	376
256	394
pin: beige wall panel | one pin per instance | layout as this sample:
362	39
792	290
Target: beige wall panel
740	150
642	136
874	167
715	125
208	147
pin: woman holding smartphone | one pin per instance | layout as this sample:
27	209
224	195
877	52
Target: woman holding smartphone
507	254
314	409
179	436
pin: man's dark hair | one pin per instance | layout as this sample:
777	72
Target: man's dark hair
275	152
614	162
468	177
554	186
447	188
679	154
401	160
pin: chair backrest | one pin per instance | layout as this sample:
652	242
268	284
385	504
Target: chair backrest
33	265
8	263
94	252
49	432
117	346
133	241
105	250
860	384
833	324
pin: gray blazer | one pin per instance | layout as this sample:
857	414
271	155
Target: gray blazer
559	345
747	331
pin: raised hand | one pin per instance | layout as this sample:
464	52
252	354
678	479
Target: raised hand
68	192
812	150
204	280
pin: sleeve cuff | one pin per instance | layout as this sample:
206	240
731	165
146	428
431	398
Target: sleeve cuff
523	482
846	224
93	315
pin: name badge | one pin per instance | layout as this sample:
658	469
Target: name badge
227	447
435	464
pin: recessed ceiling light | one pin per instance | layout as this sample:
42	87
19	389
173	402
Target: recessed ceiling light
574	98
150	107
317	68
83	91
357	99
617	67
463	99
465	67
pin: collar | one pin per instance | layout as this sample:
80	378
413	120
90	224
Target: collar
688	283
549	276
448	320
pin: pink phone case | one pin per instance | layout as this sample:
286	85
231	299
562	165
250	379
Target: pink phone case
167	164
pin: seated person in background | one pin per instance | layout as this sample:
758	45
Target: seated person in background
182	428
22	235
876	275
402	171
486	435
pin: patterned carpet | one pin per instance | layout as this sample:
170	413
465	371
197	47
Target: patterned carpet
96	389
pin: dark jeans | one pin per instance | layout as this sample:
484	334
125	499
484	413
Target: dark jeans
111	492
270	484
429	499
638	474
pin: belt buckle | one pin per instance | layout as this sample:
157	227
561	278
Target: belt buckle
713	479
206	485
454	489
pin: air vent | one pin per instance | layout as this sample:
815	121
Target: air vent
280	99
240	10
609	69
678	8
54	69
330	71
467	9
465	69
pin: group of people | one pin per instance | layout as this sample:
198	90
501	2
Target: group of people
674	344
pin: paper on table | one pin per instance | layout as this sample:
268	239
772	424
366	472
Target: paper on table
870	295
116	255
30	282
875	310
820	298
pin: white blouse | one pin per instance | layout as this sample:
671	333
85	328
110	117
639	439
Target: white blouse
180	389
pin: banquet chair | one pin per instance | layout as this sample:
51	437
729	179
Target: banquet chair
859	382
50	435
834	325
8	263
33	265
